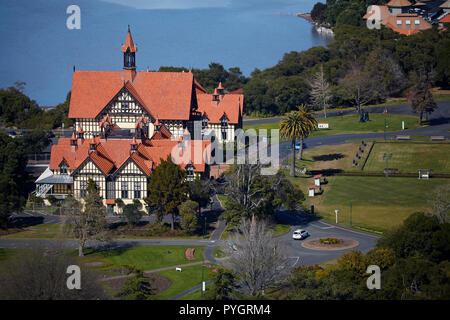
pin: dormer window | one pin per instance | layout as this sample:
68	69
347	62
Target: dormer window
417	22
224	121
408	22
204	122
399	22
63	168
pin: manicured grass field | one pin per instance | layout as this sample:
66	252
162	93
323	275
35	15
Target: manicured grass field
378	203
182	281
350	124
331	157
6	253
146	257
54	231
280	229
410	157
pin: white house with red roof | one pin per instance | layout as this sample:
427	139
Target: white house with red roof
401	16
126	121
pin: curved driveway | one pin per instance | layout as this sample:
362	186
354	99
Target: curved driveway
320	229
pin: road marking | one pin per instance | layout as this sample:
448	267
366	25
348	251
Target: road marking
322	228
298	258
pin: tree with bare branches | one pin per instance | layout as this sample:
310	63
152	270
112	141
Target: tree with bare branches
87	224
440	202
38	274
320	90
359	86
252	194
420	97
257	257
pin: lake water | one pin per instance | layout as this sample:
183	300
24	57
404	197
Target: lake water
38	48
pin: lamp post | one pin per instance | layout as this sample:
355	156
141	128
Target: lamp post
384	129
350	214
204	227
336	212
203	282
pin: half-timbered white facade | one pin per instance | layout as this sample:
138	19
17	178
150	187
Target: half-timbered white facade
126	121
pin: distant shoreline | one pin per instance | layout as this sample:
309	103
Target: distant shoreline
307	17
320	29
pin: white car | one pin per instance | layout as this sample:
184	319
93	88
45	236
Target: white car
300	234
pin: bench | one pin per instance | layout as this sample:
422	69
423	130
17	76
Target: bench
391	170
403	138
437	138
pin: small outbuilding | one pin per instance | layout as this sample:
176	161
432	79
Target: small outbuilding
317	179
312	191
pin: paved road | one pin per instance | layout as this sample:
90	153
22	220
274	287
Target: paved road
320	229
440	112
317	228
439	126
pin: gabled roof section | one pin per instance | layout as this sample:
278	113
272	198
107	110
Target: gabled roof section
445	5
445	19
399	3
166	94
110	155
92	91
230	104
163	133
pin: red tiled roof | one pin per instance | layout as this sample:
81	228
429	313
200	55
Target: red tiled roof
230	104
110	155
165	94
390	21
445	19
237	91
399	3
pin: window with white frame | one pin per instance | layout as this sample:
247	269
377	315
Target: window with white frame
408	22
63	168
124	190
399	22
137	190
417	22
83	189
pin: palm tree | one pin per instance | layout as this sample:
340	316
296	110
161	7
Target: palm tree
297	125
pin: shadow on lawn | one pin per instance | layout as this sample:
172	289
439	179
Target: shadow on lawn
325	172
23	222
329	157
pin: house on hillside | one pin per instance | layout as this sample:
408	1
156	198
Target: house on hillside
126	121
406	18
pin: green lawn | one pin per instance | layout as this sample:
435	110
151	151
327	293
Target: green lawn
52	232
218	253
350	124
410	157
6	253
378	203
145	257
182	281
280	229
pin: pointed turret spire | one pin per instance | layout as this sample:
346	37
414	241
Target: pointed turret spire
129	52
